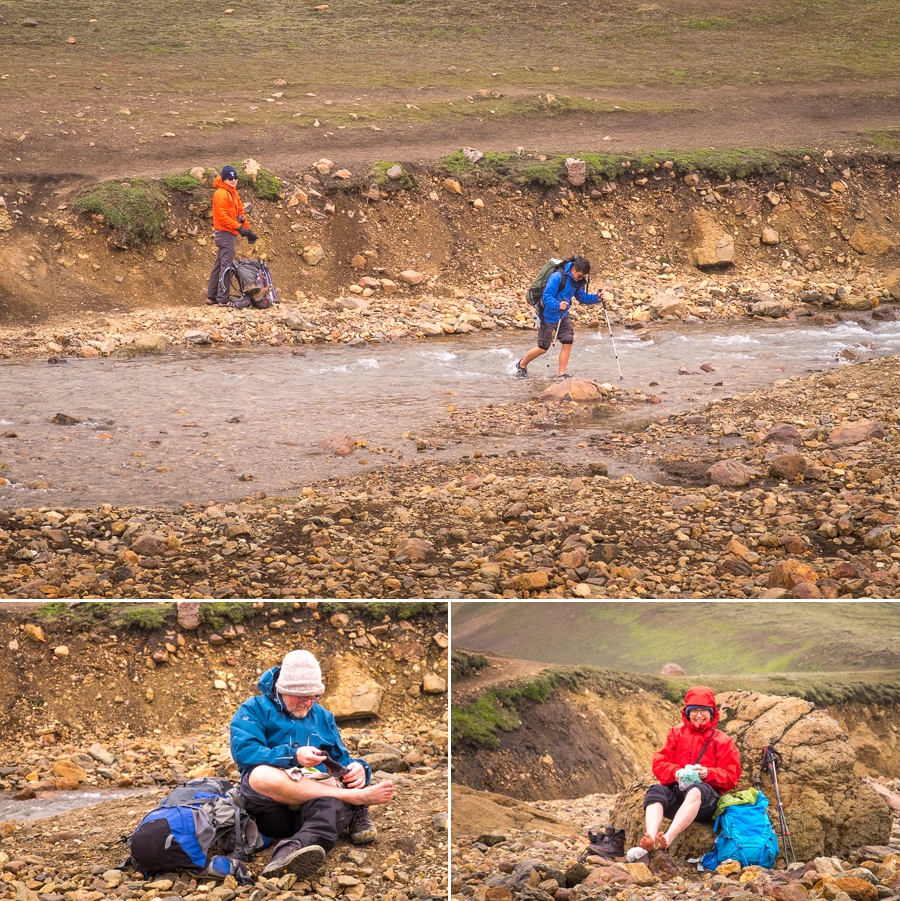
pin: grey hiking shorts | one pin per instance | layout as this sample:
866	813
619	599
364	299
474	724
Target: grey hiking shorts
546	331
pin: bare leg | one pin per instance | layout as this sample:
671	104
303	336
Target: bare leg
685	815
565	351
532	354
653	817
275	783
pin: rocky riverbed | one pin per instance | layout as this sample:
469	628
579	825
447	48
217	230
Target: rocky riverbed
637	293
802	503
541	858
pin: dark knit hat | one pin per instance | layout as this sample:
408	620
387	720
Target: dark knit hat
689	710
229	172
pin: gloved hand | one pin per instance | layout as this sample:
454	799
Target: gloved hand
241	219
243	231
252	237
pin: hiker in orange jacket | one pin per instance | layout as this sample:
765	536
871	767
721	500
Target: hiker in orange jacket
229	221
697	764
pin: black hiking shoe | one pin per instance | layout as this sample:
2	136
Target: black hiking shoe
609	843
291	859
362	829
521	371
565	375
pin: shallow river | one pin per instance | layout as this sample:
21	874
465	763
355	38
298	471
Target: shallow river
51	804
188	427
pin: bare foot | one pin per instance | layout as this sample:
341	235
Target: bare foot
647	842
661	842
375	794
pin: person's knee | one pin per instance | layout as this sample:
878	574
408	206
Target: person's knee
263	779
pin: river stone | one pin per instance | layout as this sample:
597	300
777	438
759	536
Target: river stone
573	389
664	305
892	283
197	336
709	244
771	308
351	689
787	467
783	433
729	474
854	302
338	445
855	432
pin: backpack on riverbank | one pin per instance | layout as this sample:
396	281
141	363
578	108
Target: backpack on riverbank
254	282
188	828
535	293
744	831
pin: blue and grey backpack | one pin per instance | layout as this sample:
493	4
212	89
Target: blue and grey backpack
190	825
744	831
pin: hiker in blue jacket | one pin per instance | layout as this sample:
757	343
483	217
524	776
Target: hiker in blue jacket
280	740
561	287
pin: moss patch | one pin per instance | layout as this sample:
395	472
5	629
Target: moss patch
136	208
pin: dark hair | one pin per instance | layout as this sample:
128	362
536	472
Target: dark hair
582	265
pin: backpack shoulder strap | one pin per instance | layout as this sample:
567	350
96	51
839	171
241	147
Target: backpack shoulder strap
703	749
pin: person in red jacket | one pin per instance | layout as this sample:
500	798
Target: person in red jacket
697	764
229	221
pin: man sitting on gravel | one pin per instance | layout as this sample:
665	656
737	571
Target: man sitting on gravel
280	740
697	764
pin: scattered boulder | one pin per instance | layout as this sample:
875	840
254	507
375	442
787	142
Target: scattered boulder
855	432
770	236
892	283
312	254
573	389
351	690
577	171
672	669
338	445
709	244
870	243
729	474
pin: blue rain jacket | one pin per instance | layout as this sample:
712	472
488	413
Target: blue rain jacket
562	287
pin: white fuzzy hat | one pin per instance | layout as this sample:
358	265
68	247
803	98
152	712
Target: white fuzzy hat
300	675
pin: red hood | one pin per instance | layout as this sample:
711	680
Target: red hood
700	696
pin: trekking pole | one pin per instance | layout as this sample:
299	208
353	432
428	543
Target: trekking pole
550	348
770	758
615	352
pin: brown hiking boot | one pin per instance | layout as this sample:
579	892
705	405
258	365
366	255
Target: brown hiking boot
608	843
362	829
288	858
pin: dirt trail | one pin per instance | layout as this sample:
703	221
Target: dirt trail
837	114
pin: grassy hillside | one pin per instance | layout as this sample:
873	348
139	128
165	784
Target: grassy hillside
724	638
349	46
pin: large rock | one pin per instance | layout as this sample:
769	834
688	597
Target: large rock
868	242
855	432
892	283
830	811
576	170
351	691
709	244
188	615
729	474
573	389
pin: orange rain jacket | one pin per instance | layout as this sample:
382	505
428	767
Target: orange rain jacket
226	207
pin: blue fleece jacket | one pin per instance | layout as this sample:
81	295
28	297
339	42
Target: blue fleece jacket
263	732
562	287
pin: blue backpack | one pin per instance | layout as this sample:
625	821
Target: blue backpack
190	825
744	834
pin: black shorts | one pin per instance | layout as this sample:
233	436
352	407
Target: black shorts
672	797
546	331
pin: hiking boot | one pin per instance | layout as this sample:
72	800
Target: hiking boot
291	859
565	375
256	292
608	844
362	829
521	371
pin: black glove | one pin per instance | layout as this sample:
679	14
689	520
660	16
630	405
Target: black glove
243	231
241	219
252	237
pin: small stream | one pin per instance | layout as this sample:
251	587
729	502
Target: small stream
51	804
211	424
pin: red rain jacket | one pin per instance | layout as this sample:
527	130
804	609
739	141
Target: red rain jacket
226	207
684	743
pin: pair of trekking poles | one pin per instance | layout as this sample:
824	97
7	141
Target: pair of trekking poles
615	352
771	761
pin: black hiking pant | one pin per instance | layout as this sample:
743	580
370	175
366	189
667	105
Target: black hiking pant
226	244
317	822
